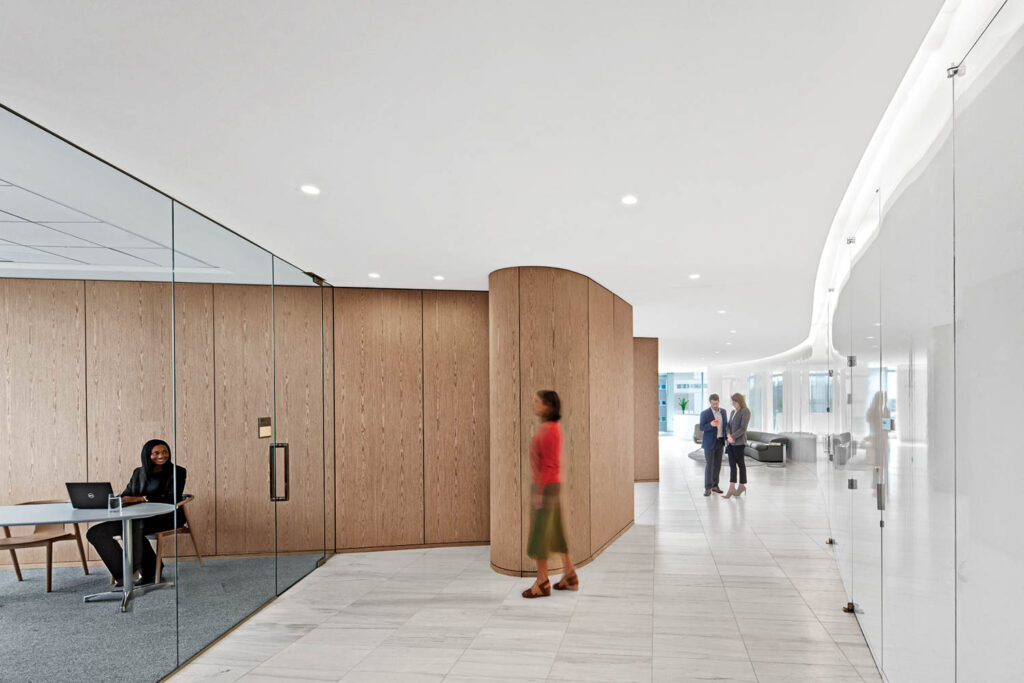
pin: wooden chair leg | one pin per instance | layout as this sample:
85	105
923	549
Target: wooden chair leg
81	549
196	546
159	557
49	566
17	567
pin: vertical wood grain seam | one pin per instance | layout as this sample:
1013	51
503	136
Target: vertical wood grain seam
85	371
423	421
216	489
519	407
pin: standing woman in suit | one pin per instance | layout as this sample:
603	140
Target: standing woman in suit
547	532
153	482
737	444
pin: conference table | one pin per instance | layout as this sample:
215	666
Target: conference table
63	513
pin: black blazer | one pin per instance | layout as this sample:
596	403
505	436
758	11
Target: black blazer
167	494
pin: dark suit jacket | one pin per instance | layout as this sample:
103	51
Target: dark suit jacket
710	431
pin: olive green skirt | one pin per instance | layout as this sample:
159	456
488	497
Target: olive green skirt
547	532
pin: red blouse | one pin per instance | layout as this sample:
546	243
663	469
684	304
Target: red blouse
546	454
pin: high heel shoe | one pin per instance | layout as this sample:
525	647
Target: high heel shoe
730	493
741	489
544	588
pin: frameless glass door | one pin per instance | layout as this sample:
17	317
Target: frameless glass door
296	456
224	399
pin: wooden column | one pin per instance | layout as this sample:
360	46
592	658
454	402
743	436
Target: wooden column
555	329
645	401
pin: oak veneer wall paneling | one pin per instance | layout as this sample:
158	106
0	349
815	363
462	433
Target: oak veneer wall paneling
625	414
328	399
195	431
456	417
129	382
603	422
379	402
645	401
243	348
299	401
506	477
553	343
42	396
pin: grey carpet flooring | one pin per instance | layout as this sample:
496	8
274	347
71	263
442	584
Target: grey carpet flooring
58	637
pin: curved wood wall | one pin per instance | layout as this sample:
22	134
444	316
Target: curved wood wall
555	329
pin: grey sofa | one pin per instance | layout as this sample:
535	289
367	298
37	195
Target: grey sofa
766	447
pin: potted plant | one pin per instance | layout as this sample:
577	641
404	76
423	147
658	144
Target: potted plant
683	402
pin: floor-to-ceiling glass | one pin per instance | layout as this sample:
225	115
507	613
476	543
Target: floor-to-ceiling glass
224	404
86	379
989	319
298	449
915	248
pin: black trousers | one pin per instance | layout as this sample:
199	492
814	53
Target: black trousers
102	535
713	464
735	452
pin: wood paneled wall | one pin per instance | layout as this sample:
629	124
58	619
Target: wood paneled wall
555	329
404	390
505	409
554	355
195	410
42	396
455	409
90	366
243	347
645	402
379	402
411	401
299	413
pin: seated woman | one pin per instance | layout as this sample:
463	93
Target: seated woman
153	482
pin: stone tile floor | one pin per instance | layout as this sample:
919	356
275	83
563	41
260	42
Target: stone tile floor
699	589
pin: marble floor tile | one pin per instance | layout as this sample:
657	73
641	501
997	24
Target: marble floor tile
503	664
698	589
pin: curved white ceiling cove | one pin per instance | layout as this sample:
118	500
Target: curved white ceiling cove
456	138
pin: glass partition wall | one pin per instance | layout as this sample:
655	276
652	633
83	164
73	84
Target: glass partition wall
124	317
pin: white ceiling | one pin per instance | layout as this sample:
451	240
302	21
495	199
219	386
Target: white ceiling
456	138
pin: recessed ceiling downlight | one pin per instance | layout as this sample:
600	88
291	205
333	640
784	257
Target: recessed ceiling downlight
629	199
439	277
310	190
721	311
694	276
375	276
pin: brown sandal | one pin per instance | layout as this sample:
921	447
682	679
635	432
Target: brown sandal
569	582
544	588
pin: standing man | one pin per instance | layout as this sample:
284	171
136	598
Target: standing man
712	424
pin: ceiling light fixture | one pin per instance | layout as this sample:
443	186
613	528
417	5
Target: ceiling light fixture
310	190
721	311
630	200
732	331
439	277
375	276
694	276
728	343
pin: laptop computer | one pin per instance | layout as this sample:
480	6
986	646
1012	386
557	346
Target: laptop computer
90	495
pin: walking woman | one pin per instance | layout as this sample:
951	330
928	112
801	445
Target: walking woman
547	533
737	438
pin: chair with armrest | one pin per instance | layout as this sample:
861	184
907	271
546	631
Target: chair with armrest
42	535
184	528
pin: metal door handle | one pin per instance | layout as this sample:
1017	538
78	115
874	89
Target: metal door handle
274	471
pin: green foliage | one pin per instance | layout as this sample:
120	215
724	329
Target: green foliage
683	402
